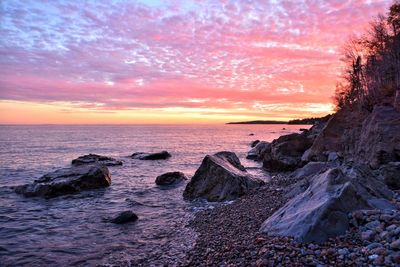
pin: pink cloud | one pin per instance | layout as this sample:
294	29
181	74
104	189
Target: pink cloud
129	55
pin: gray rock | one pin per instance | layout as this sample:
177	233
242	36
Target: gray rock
395	244
333	156
320	212
125	217
343	251
220	177
170	178
367	235
151	156
374	245
372	225
93	159
258	152
67	181
286	152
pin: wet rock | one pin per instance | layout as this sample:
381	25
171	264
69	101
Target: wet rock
93	159
151	156
258	152
220	177
125	217
170	178
67	181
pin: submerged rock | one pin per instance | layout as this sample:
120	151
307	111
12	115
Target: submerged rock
93	158
258	152
125	217
67	181
151	156
321	211
220	177
170	178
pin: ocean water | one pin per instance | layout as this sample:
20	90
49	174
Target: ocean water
74	230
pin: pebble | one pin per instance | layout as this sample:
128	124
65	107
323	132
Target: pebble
374	245
395	244
372	225
373	256
367	235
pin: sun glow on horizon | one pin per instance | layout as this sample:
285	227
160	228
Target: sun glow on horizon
167	61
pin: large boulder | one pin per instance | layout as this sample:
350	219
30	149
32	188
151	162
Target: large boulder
338	135
259	150
321	210
151	156
93	158
220	177
67	181
170	178
286	152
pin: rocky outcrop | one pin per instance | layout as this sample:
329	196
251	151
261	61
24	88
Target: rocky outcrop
286	152
151	156
321	210
93	159
372	138
220	177
259	150
170	178
125	217
379	140
67	181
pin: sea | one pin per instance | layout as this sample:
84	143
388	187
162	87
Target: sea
75	230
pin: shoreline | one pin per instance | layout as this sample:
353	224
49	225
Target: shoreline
229	235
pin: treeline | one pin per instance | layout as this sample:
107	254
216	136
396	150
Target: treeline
372	65
310	120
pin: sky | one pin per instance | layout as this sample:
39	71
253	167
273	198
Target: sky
177	61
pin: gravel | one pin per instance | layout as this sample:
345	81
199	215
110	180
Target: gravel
228	236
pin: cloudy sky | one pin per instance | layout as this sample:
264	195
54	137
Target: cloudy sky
159	61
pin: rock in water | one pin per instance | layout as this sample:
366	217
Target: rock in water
320	212
170	178
151	156
93	158
258	152
220	177
254	143
67	181
125	217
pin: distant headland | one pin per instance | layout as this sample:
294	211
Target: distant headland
297	121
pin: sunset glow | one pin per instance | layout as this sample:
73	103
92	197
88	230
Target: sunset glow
176	61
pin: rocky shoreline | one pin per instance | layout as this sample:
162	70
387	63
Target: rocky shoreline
229	236
334	199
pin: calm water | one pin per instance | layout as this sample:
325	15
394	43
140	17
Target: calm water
73	230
